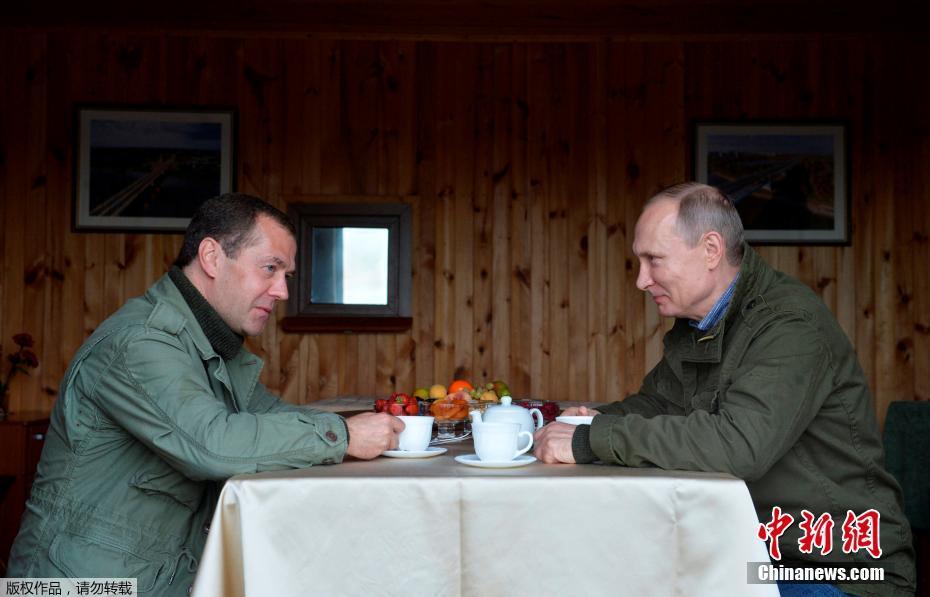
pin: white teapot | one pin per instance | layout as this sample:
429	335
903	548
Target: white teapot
511	413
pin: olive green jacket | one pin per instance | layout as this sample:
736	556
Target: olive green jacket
149	423
774	395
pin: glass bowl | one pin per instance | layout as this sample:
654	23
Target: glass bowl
450	416
449	410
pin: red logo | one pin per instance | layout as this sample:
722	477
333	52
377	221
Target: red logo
817	533
859	532
774	529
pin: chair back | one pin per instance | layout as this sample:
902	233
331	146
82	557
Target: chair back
907	457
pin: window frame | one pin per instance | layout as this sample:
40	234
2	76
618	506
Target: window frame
303	315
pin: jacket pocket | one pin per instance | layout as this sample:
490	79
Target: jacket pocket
80	557
171	485
709	401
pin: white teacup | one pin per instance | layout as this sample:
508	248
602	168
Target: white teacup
498	442
416	434
575	420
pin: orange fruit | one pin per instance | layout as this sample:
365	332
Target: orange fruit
460	384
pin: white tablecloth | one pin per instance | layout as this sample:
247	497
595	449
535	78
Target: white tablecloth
436	527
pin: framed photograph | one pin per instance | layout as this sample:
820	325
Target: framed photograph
788	181
148	170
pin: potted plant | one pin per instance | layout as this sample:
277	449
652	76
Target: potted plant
20	361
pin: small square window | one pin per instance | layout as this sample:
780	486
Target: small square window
353	268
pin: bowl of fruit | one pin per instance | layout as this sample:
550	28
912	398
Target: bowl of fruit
450	407
398	404
453	407
449	411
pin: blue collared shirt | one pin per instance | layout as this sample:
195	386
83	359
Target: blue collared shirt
717	311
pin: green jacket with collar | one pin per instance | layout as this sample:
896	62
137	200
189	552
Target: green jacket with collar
774	395
148	424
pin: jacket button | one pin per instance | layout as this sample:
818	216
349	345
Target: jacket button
331	435
206	529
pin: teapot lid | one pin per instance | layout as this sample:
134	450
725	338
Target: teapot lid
509	413
506	404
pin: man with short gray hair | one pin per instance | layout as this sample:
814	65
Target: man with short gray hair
758	380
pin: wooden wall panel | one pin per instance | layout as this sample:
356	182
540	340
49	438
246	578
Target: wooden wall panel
36	282
13	191
462	70
520	304
498	182
425	232
483	212
64	251
526	163
6	82
919	199
597	369
582	62
538	194
623	194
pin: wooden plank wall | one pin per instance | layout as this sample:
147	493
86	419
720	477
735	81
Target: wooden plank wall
526	163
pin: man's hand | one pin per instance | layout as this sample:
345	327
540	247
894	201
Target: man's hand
553	443
580	411
372	433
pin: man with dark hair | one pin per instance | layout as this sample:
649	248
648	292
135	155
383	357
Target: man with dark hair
757	380
162	404
229	219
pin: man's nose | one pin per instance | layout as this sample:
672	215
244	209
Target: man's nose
279	289
643	279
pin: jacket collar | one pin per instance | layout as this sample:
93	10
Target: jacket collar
224	341
174	314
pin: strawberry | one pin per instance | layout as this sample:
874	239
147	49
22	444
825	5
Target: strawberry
412	409
396	409
402	398
380	405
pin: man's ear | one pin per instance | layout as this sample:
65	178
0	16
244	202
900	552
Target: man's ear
209	254
714	249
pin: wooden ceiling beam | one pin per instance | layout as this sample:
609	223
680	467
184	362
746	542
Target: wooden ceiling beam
473	18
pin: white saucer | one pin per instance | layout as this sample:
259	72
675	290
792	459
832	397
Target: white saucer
473	460
427	453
